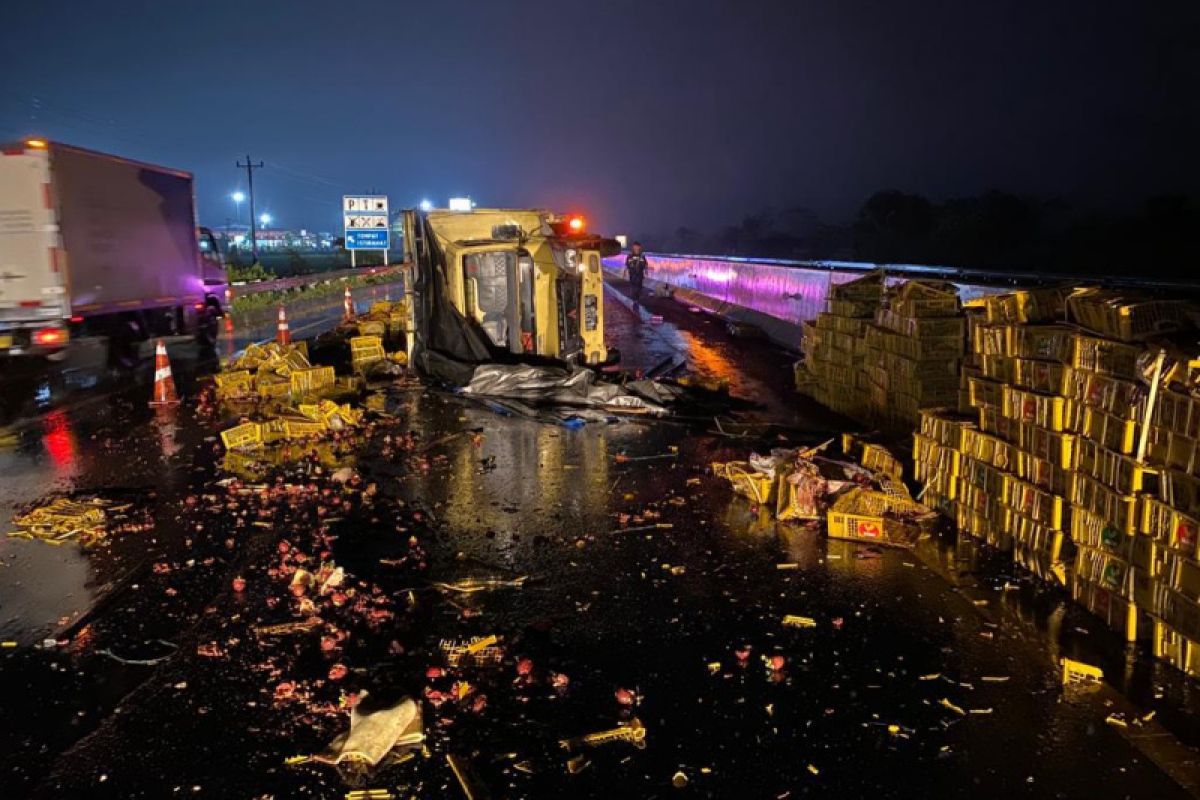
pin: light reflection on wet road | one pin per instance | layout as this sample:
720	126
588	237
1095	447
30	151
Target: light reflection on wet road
899	635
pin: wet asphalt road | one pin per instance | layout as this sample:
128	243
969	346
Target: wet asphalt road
929	673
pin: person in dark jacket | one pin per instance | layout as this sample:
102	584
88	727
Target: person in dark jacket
636	267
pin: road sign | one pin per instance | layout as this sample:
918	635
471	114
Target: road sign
366	222
367	240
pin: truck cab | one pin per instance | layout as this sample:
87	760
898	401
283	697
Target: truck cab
532	280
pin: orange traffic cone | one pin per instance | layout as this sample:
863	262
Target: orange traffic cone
164	384
348	305
282	334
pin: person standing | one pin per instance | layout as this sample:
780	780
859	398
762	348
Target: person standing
636	267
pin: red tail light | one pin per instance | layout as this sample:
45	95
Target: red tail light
49	337
199	306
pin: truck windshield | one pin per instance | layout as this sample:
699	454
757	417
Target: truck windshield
487	278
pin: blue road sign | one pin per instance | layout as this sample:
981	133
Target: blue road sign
372	239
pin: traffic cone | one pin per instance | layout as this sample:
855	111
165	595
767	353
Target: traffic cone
348	305
282	334
164	384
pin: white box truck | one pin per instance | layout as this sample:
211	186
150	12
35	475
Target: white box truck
93	244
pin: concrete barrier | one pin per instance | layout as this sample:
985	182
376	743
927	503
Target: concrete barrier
774	296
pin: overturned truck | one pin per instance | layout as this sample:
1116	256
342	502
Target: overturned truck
504	286
510	303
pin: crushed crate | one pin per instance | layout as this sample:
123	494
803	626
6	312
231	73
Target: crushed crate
241	437
864	515
62	519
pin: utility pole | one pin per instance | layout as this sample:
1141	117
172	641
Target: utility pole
250	166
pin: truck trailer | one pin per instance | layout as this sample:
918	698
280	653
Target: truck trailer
93	244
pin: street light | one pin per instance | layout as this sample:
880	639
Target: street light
237	198
426	205
265	219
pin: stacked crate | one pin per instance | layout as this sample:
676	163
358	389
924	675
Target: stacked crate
1141	395
937	457
832	346
912	353
1107	408
1020	453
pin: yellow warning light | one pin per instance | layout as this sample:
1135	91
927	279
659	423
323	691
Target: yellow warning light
36	144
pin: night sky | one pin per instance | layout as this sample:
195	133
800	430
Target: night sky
645	115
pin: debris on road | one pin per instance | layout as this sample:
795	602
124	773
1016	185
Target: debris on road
87	521
1076	673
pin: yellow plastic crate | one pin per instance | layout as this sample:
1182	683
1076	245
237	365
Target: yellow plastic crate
1120	510
865	515
1182	574
1119	613
985	393
273	387
1041	342
1180	491
748	482
1043	473
230	381
1053	446
313	379
303	428
878	458
1033	502
1115	470
1035	535
1170	527
989	448
1121	398
1127	318
365	350
1113	432
1092	530
1177	413
371	327
1105	356
245	436
1048	411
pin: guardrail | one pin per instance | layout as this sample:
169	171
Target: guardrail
777	295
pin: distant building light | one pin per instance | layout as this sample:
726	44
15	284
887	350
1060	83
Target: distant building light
239	239
460	204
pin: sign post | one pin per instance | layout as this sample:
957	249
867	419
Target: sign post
366	224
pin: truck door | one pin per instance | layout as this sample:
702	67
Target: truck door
32	286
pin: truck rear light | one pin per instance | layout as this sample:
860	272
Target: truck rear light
75	320
31	304
49	337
